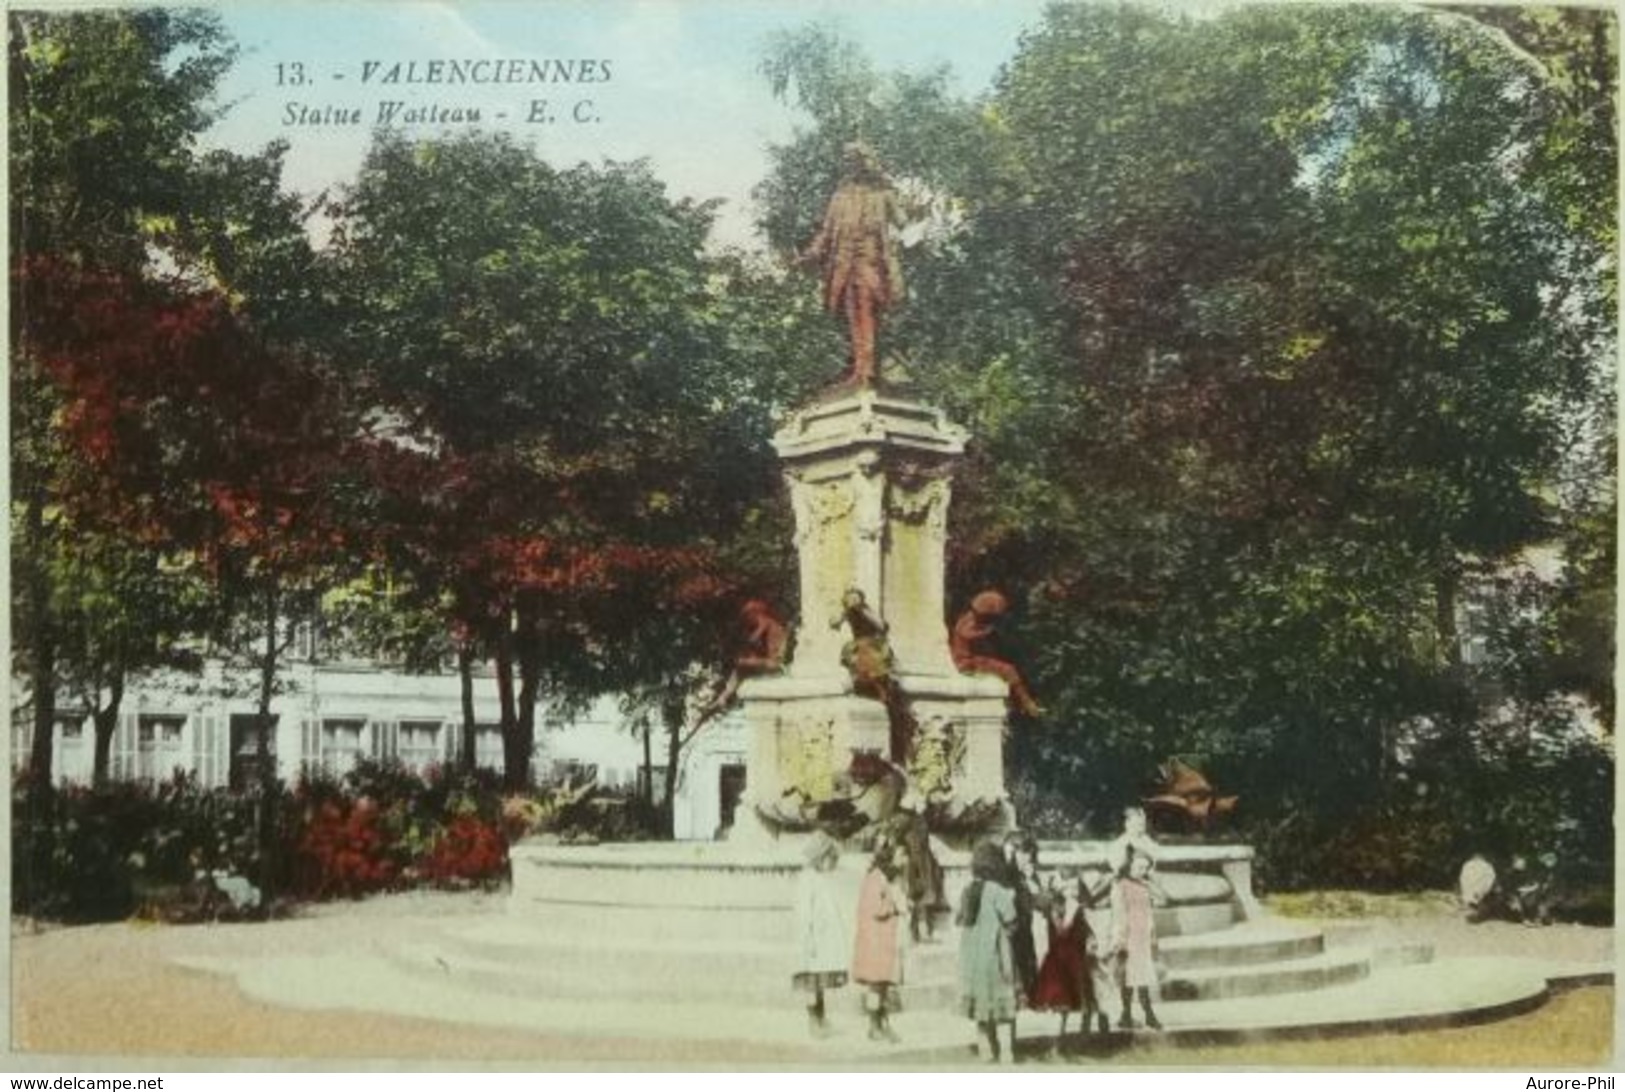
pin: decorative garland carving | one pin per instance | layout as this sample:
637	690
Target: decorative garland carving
927	506
806	757
938	758
818	506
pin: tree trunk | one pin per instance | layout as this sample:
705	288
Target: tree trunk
505	698
105	719
41	645
530	688
264	757
648	779
465	674
672	713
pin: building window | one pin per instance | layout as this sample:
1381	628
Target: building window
420	744
245	750
158	746
304	641
341	744
651	782
70	728
574	771
488	746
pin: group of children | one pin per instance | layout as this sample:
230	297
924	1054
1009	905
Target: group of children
1100	928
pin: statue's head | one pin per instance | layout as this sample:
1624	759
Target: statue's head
858	159
853	598
989	603
1134	820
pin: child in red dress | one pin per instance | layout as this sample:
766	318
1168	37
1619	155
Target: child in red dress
1063	984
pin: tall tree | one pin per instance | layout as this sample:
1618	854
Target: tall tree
109	191
1269	326
196	438
554	339
104	109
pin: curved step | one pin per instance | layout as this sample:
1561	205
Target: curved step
1317	972
1247	943
518	960
1195	918
1448	993
553	919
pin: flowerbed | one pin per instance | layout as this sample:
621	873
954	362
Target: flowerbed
175	851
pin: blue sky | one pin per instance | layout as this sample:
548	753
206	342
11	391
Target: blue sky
684	91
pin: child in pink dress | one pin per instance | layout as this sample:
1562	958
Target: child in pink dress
1134	939
877	958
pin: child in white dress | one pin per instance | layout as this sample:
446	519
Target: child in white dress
822	934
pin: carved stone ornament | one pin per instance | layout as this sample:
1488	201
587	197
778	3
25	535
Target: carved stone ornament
927	505
806	758
938	760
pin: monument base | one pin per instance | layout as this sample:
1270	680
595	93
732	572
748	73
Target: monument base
806	732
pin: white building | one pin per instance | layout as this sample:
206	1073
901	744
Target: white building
333	715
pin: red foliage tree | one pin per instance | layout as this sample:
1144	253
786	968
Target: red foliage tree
192	434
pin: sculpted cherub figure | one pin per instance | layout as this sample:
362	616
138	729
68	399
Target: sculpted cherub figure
764	640
974	650
868	658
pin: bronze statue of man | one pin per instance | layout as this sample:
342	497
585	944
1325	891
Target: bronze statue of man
857	255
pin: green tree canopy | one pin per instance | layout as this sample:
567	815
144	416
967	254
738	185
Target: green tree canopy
1273	329
563	356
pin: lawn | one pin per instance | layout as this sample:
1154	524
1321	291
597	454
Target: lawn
1574	1030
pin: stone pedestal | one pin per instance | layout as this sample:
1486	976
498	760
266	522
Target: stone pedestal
870	479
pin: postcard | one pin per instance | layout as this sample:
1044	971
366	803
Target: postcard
728	535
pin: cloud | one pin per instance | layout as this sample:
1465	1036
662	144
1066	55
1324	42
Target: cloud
445	26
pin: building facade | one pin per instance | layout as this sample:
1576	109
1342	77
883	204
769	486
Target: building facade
332	715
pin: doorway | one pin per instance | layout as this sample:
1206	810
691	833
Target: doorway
730	789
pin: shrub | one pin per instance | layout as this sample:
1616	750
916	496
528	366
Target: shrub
469	851
381	827
167	851
82	854
344	852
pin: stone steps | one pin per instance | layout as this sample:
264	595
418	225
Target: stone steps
1246	943
695	945
747	957
755	975
1424	994
698	1030
667	925
1460	991
1292	976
